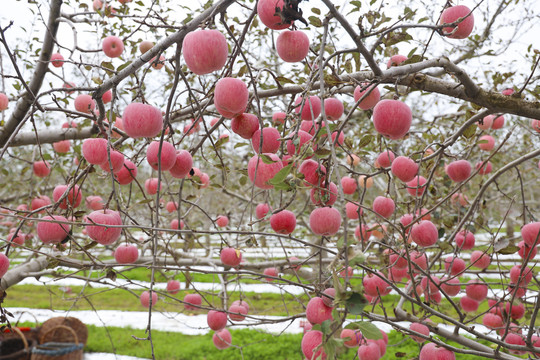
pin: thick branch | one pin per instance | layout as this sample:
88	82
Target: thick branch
27	99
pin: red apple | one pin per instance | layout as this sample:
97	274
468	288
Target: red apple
167	156
283	222
142	120
325	221
74	196
99	230
127	173
311	108
392	118
259	172
245	125
333	108
230	97
292	46
126	254
57	60
271	142
463	16
113	46
50	232
41	168
266	9
231	257
371	99
205	51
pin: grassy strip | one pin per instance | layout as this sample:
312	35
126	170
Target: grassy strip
51	297
248	344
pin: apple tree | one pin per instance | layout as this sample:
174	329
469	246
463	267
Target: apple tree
355	151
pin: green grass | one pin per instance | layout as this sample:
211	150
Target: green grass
51	297
247	344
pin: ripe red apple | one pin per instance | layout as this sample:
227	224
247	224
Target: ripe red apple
459	170
419	328
292	46
365	182
484	167
145	298
385	159
383	206
40	202
498	122
526	251
270	143
231	97
231	257
283	222
279	117
192	301
99	230
127	173
272	271
362	233
516	310
333	108
41	168
352	338
480	260
142	120
261	210
182	165
454	265
303	138
392	118
371	99
107	97
535	124
113	46
266	9
173	287
222	339
205	51
348	184
432	351
4	101
237	312
74	196
16	240
404	168
486	142
174	224
465	240
222	221
451	286
116	163
369	351
311	108
424	233
313	340
521	277
52	233
151	186
325	195
311	126
376	285
168	155
468	304
245	125
126	254
84	103
459	13
492	321
171	206
324	221
95	151
330	292
4	264
57	60
157	65
476	290
313	172
216	320
94	202
317	311
531	233
62	146
395	60
259	173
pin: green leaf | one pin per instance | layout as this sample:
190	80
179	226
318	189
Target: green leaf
365	140
316	11
326	327
348	66
355	303
369	331
221	141
281	175
469	131
266	159
510	249
412	60
315	21
441	232
124	65
284	80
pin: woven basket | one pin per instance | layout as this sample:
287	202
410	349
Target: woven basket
15	347
55	350
77	325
